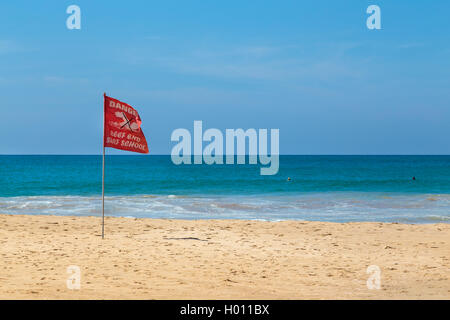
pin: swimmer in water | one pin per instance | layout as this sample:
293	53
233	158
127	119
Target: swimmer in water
289	179
414	178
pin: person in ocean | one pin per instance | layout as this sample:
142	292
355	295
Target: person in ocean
414	178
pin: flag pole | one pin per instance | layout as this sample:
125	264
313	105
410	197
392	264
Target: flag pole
103	172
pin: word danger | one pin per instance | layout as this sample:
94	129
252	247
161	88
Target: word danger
116	138
213	152
122	107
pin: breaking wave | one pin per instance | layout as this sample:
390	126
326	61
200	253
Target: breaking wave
326	206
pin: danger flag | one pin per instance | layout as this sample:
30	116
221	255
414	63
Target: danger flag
122	127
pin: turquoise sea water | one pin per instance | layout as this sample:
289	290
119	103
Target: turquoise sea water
326	188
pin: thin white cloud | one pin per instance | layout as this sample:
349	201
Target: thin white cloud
7	46
239	52
152	37
52	79
410	45
274	69
194	95
319	61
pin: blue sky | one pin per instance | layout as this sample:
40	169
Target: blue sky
310	68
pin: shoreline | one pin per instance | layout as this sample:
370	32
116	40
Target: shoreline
332	207
222	219
145	258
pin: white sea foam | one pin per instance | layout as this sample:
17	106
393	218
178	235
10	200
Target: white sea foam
345	206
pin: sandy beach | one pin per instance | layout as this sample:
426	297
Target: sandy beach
220	259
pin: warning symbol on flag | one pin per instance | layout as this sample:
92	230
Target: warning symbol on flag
127	123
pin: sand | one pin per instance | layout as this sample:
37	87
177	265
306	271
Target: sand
220	259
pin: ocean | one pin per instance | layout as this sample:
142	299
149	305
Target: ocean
322	188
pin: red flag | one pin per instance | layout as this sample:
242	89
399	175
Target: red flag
123	127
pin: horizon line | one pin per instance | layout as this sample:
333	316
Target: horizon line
285	154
